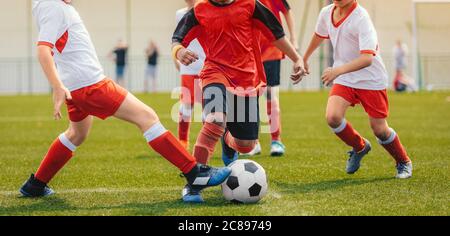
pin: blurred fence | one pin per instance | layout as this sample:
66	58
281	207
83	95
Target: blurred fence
24	75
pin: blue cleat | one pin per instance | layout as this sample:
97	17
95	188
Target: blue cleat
277	149
404	170
229	155
191	195
354	162
35	188
202	176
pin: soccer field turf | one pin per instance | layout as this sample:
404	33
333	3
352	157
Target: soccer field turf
115	173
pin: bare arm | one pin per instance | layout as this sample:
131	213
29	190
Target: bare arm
291	27
363	61
60	92
316	41
285	46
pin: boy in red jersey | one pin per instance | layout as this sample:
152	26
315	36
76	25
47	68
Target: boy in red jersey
359	77
78	79
233	73
271	57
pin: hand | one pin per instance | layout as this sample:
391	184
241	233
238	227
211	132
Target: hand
186	57
329	75
60	95
305	62
299	72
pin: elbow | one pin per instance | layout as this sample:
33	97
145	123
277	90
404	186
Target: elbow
368	60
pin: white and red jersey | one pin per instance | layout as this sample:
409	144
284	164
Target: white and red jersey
353	35
61	28
196	67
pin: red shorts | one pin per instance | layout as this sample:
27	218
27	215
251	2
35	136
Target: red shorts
375	102
191	89
102	100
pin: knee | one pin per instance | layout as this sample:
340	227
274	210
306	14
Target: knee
334	120
382	132
77	137
147	118
217	119
246	146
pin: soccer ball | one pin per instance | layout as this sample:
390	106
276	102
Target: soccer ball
247	182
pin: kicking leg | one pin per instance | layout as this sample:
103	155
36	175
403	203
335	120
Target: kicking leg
336	109
166	144
389	139
59	153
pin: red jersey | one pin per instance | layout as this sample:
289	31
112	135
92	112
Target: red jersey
269	51
229	35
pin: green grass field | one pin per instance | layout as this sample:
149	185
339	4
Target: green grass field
115	173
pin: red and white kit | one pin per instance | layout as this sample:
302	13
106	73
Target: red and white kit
61	28
354	35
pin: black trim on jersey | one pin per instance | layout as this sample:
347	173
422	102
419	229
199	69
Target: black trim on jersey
263	14
186	24
286	4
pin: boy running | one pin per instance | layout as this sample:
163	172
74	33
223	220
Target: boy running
190	82
78	80
233	72
359	77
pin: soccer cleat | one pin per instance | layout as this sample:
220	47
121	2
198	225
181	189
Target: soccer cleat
229	155
354	162
256	151
35	188
404	170
202	176
277	149
191	195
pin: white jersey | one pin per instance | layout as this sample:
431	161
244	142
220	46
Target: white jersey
196	67
61	28
351	37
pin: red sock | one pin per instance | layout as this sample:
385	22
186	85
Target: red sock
166	144
55	159
350	136
183	128
395	148
273	112
207	141
231	142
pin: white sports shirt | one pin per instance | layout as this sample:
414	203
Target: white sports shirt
61	28
196	67
351	37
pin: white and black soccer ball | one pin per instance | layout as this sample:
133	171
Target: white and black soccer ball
247	182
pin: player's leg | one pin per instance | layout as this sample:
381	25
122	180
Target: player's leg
274	114
389	139
341	98
242	127
165	143
59	153
186	109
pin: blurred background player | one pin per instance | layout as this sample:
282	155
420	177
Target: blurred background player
359	77
272	57
152	54
77	78
119	56
402	82
233	74
191	91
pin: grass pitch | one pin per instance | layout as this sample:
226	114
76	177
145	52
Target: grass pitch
115	173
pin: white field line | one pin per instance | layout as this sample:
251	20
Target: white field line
103	190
